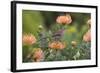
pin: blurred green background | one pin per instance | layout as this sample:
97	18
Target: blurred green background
32	19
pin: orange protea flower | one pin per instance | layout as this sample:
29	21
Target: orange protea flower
38	54
87	36
28	39
57	45
64	19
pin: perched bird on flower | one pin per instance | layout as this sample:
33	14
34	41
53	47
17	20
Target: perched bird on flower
28	39
87	36
38	55
57	35
64	19
57	45
59	32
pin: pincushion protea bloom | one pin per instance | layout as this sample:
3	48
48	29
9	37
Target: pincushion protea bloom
87	36
28	39
57	45
38	54
64	19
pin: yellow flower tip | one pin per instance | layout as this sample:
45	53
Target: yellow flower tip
64	19
28	39
89	22
57	45
40	27
74	43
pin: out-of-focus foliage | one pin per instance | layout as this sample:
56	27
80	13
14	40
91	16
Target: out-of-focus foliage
54	41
